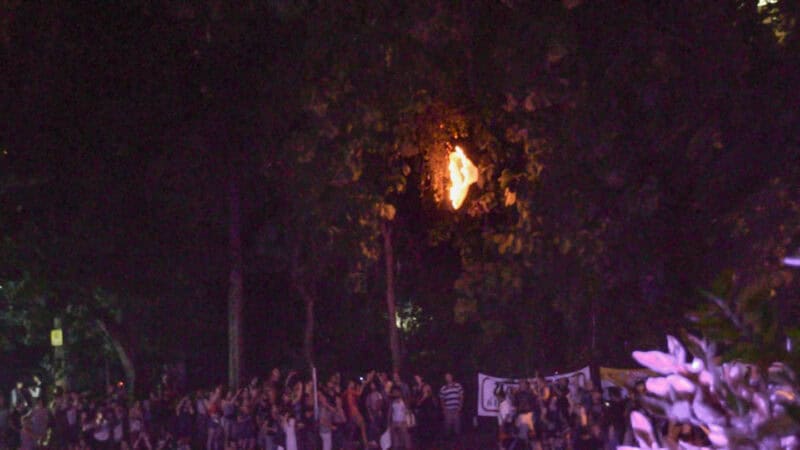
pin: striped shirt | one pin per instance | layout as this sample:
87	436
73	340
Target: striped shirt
452	396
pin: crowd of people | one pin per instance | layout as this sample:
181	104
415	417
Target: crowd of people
565	414
376	411
290	413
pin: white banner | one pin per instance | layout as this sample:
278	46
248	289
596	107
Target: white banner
623	378
487	401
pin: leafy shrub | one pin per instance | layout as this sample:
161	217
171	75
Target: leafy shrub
737	404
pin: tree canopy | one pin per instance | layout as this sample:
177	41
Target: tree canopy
628	154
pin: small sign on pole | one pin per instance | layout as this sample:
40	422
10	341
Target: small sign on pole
56	337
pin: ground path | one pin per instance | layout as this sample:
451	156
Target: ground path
471	440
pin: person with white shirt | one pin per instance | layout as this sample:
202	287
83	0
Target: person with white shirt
398	423
35	391
288	423
451	398
505	418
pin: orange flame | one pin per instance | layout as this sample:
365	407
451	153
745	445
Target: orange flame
462	174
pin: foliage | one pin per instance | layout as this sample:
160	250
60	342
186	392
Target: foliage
27	312
619	146
738	405
739	382
755	324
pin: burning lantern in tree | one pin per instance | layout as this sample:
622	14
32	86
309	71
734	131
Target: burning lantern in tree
462	174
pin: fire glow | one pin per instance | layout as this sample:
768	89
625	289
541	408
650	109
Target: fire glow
462	174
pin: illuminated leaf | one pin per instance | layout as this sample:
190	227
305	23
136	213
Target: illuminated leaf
388	211
510	197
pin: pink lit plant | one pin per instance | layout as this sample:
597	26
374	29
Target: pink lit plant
737	405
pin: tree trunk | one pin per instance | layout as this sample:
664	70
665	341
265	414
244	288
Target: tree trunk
308	335
308	295
124	352
235	288
391	303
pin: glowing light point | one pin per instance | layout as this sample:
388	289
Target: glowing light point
462	174
792	259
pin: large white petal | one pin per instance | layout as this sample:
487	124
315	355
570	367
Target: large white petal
717	436
676	349
658	386
657	361
680	384
643	430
